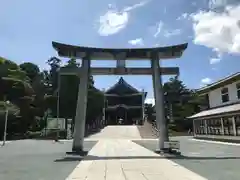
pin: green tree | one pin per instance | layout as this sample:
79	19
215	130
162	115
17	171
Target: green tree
32	70
54	64
180	102
149	111
15	87
13	81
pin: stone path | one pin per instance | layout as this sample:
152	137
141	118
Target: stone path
117	132
125	160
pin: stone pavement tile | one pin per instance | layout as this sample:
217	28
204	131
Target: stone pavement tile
114	170
81	171
142	165
134	175
155	177
115	176
97	170
123	159
87	168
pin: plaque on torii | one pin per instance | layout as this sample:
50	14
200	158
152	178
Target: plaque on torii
121	55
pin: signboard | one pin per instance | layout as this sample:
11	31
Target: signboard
54	123
172	144
121	63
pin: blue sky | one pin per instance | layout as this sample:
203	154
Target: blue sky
211	27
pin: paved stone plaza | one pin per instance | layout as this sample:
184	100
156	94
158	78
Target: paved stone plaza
125	160
212	160
118	157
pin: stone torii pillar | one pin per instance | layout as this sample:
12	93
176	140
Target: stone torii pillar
80	118
159	101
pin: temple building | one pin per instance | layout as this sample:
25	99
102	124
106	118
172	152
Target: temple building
222	118
124	102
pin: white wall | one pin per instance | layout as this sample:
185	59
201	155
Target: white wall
215	98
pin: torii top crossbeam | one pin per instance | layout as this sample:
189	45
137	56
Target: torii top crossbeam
168	52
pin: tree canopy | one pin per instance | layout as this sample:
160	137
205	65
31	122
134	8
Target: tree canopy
32	92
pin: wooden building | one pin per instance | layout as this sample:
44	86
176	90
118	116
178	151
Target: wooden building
124	102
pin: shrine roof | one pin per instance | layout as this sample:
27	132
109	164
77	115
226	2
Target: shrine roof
122	87
72	51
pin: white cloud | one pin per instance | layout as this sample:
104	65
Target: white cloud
216	3
129	8
172	33
138	41
165	10
219	31
214	60
183	16
150	101
194	3
114	21
206	81
159	28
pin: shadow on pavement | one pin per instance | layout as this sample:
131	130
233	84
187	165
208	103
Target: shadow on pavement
200	158
69	159
92	158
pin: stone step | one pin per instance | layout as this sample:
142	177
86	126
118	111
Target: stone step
147	131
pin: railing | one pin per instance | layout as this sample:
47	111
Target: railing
172	146
94	127
154	128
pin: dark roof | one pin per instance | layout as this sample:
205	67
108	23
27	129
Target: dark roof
66	50
122	106
220	83
122	86
220	111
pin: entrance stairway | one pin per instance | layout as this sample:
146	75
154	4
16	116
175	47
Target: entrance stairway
117	132
130	132
147	131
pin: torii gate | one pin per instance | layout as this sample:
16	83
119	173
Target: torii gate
121	55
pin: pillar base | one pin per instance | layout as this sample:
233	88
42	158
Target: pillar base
77	151
168	151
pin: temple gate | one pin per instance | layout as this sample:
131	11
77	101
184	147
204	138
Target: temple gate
121	55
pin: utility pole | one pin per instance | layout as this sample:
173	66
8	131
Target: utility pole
104	108
58	105
143	107
6	122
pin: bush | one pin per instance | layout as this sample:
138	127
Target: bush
47	134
